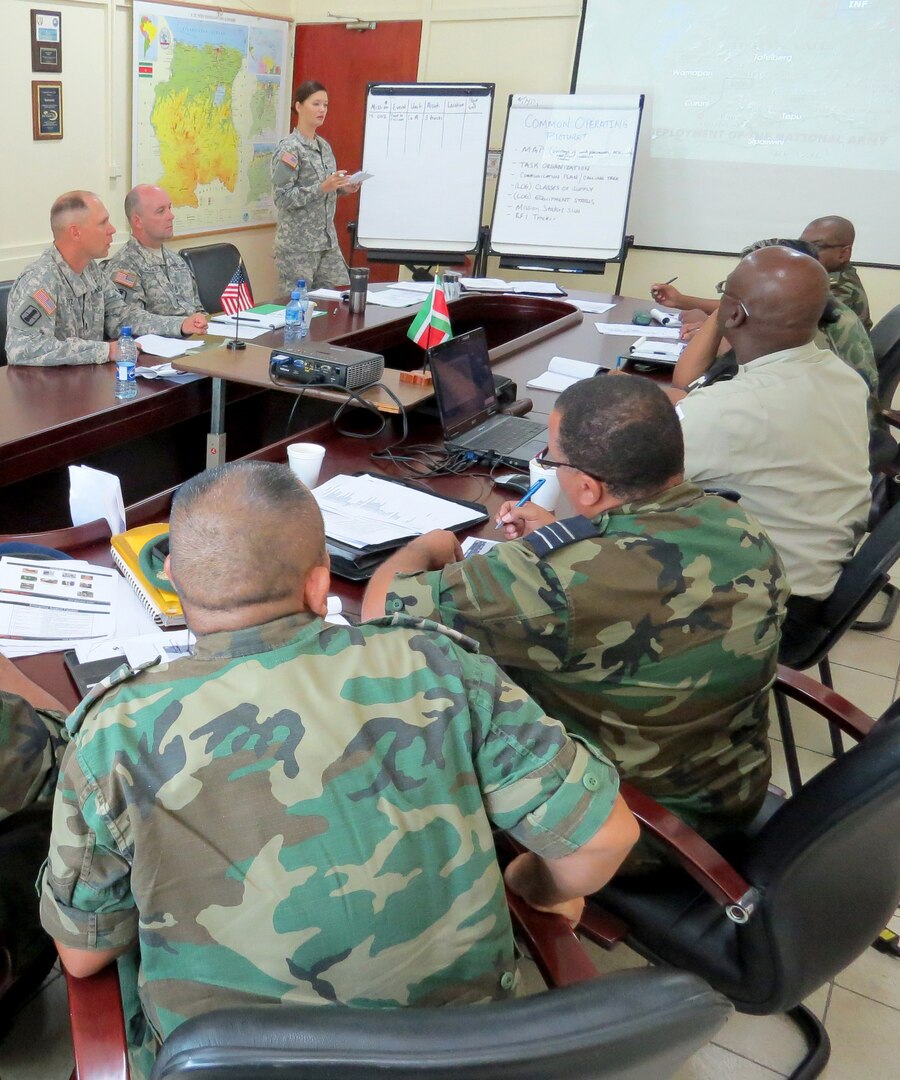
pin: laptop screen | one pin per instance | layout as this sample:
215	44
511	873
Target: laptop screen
463	383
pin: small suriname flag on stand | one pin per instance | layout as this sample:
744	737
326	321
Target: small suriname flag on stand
431	325
237	296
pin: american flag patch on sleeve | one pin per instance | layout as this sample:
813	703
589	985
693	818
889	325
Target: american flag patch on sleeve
44	300
126	278
289	159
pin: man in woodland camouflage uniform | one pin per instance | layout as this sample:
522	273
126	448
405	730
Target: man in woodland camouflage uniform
649	623
148	276
833	237
301	812
32	736
61	307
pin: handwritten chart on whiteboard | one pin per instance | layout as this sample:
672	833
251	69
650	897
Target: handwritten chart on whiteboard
426	148
565	175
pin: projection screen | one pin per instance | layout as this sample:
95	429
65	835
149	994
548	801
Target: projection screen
758	117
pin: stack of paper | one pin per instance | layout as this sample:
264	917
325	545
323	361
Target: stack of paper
51	605
367	511
154	345
532	288
562	372
395	298
631	330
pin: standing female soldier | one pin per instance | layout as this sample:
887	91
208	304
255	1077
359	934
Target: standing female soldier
306	184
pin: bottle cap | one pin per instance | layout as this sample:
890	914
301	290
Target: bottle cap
301	283
125	331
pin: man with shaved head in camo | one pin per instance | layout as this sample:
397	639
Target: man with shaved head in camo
302	812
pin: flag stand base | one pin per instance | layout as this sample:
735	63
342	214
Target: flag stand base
417	378
236	346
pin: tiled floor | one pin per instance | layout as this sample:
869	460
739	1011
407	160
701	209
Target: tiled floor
861	1008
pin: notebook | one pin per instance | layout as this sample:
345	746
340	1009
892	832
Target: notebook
467	404
163	605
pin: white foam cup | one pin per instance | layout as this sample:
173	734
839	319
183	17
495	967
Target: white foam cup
305	460
548	496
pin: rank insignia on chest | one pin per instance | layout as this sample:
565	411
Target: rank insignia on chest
289	159
126	278
44	300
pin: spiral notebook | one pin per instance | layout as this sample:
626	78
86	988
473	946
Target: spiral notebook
163	605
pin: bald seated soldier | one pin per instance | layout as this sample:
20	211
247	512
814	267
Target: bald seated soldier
833	238
790	431
648	622
60	307
302	812
149	277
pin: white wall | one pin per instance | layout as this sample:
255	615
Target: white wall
521	45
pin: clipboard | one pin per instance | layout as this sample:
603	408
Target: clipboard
358	564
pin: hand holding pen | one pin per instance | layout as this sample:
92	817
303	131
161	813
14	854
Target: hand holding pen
520	518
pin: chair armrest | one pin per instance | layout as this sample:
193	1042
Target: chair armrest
98	1026
698	858
828	703
554	946
892	417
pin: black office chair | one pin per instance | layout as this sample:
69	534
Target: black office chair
635	1025
884	450
213	266
791	900
862	579
26	952
5	287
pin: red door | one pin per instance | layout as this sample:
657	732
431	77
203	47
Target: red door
345	61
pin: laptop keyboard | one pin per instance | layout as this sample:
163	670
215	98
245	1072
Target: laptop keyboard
502	438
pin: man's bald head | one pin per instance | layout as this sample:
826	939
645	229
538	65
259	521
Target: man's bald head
148	209
772	300
832	237
72	208
243	540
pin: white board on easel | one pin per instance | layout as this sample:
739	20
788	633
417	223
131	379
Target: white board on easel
565	176
426	148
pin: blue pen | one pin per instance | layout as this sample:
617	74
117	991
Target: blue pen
527	497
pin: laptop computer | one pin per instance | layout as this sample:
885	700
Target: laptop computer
467	404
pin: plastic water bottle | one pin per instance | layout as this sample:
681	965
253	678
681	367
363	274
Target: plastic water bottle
126	382
304	308
293	317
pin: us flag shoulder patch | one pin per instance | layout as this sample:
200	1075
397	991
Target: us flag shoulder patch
126	278
289	159
44	300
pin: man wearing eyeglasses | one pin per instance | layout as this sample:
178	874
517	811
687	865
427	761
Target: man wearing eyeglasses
790	431
833	237
648	623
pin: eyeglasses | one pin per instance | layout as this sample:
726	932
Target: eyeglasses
822	245
722	291
549	463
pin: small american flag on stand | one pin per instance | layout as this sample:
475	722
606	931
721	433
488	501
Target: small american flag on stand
237	296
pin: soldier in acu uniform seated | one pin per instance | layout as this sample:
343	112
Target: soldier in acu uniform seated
302	812
648	623
149	277
61	308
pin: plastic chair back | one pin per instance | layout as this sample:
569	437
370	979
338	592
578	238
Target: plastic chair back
636	1025
213	266
827	864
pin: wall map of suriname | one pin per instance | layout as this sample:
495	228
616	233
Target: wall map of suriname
211	98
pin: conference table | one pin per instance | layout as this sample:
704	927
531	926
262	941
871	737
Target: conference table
572	336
